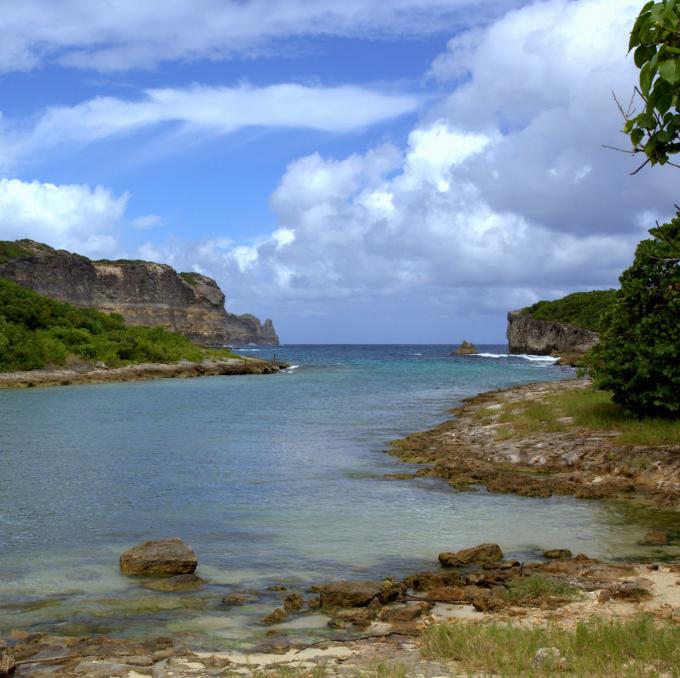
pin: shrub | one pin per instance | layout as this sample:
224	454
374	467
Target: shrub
638	358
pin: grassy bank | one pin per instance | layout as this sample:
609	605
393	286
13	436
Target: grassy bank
633	648
37	332
586	408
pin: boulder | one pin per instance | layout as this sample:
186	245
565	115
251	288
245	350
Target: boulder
359	593
233	599
162	557
654	538
466	348
557	554
7	661
178	583
405	613
484	553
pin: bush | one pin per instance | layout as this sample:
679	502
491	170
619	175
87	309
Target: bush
638	358
580	309
37	332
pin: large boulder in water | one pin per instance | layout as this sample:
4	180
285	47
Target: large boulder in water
484	553
162	557
359	593
466	348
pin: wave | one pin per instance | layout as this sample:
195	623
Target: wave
525	356
291	368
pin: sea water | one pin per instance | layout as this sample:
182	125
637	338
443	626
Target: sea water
274	480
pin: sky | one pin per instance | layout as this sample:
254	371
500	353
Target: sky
398	172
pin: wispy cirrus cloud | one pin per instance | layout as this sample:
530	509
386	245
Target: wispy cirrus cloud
212	111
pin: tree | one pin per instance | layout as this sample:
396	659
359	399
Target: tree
655	39
638	358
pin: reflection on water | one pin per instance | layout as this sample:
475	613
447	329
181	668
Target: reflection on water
272	479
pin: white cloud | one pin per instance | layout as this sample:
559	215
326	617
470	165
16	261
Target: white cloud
128	33
73	217
212	111
503	194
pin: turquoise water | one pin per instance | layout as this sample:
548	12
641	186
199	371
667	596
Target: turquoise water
272	480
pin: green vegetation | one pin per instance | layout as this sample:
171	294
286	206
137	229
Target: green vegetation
632	648
638	358
191	278
655	37
536	589
13	250
120	262
588	408
37	332
581	309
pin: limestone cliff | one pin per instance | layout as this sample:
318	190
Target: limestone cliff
144	293
543	337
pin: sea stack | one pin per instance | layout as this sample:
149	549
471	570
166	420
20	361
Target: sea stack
466	348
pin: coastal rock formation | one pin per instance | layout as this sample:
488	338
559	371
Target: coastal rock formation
144	293
162	557
466	348
543	337
484	553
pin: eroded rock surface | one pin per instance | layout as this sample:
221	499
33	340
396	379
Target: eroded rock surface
161	557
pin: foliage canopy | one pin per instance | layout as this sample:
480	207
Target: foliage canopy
638	358
655	39
580	309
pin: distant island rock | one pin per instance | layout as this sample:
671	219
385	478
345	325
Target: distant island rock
466	348
142	292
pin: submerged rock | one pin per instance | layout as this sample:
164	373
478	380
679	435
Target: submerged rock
293	602
233	599
161	557
654	538
275	617
484	553
557	554
178	583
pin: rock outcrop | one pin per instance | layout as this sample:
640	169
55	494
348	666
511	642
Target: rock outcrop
466	348
544	337
144	293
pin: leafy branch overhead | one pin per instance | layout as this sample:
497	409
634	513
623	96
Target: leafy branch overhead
655	39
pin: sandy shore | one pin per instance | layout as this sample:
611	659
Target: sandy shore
140	372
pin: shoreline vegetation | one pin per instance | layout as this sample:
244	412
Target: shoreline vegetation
478	613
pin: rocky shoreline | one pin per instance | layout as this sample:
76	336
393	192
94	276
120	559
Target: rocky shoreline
387	622
183	369
468	452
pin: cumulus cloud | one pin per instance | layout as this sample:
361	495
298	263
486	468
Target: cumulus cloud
72	216
128	33
211	111
502	195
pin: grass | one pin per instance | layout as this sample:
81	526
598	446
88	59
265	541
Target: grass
595	648
37	332
590	409
536	588
13	250
581	309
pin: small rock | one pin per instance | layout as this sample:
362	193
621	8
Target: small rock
557	554
161	557
336	623
180	582
7	661
484	553
275	617
351	593
159	655
548	657
487	602
277	587
136	660
654	538
293	603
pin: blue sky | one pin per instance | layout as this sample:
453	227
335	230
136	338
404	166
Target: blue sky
405	171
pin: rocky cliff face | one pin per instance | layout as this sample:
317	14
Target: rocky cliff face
543	337
144	293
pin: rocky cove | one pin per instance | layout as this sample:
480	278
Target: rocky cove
384	618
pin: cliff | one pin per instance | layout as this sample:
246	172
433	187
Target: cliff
527	334
144	293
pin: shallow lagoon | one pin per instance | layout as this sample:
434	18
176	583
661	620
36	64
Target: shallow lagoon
272	480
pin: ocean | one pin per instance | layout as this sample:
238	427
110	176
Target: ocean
274	480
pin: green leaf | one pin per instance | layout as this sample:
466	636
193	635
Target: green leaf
636	136
646	77
669	71
643	54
